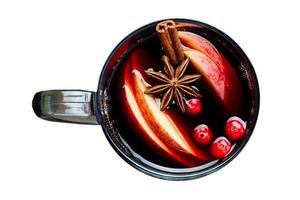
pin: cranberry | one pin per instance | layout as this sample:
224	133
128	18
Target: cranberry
235	128
202	134
220	148
194	107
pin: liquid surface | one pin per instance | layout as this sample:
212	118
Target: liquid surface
213	114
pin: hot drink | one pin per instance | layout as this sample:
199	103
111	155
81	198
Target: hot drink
179	98
176	100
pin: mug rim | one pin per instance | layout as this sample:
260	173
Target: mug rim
180	175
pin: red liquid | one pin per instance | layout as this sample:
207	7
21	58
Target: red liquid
147	132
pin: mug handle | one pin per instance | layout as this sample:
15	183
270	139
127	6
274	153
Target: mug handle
72	106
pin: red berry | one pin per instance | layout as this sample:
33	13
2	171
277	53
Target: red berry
235	128
194	107
220	148
202	134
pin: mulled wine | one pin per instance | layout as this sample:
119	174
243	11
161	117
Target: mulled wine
179	97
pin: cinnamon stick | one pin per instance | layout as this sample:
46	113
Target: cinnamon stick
170	41
165	40
175	40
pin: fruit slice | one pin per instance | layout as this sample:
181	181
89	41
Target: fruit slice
221	80
201	44
157	127
139	121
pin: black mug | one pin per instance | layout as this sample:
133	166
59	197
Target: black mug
86	107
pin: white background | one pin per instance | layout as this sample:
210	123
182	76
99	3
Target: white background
62	44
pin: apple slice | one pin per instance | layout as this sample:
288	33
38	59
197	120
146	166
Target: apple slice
218	75
157	126
138	121
201	44
150	137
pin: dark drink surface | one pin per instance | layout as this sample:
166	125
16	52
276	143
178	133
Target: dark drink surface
167	138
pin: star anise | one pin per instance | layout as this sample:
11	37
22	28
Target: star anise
174	84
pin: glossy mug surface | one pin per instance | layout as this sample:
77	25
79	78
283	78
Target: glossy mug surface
174	120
